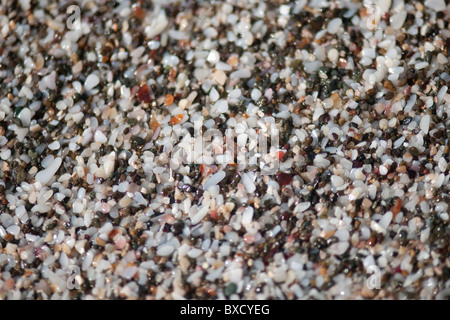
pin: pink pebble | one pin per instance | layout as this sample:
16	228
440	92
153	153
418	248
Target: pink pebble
248	238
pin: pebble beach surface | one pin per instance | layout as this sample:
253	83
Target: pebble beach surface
97	101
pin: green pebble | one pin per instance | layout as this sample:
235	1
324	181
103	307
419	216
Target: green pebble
230	289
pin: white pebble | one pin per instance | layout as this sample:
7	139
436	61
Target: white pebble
20	211
242	139
4	155
239	74
25	116
165	250
215	179
386	219
248	183
284	10
50	80
333	55
442	59
422	65
256	94
200	215
436	5
159	22
170	60
47	160
425	123
44	176
55	145
100	137
342	234
312	67
383	170
13	229
333	25
442	164
398	19
91	82
194	253
214	95
337	181
87	260
222	106
441	94
247	216
302	206
210	32
77	206
213	57
129	272
338	248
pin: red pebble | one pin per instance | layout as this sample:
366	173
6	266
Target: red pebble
283	178
143	93
214	214
280	155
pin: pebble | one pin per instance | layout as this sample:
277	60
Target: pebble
436	5
194	253
100	137
337	181
25	117
398	19
91	82
334	25
256	94
222	106
14	230
247	216
421	65
214	179
55	145
165	250
338	248
425	123
230	289
312	67
44	176
442	59
386	219
248	183
213	57
170	60
239	74
333	55
283	178
219	77
383	170
303	206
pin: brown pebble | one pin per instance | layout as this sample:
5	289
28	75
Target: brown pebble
397	207
138	12
372	241
388	85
